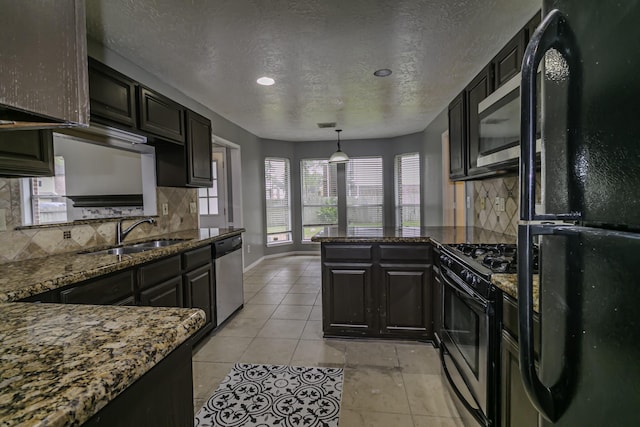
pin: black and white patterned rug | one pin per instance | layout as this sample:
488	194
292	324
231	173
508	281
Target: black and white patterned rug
274	395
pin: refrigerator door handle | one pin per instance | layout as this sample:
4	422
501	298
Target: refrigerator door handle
549	401
553	33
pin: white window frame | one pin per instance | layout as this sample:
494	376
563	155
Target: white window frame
381	205
304	205
288	228
397	178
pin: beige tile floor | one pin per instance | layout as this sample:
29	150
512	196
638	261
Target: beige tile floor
386	383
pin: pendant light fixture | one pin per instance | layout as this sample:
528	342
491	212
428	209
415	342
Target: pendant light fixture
339	156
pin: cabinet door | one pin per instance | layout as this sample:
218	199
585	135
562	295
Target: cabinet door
26	153
532	25
348	307
198	156
508	61
166	294
477	90
161	116
200	293
517	410
457	138
104	290
112	96
406	300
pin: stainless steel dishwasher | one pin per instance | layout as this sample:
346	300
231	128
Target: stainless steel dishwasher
228	269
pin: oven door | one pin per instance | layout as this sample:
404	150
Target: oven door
465	336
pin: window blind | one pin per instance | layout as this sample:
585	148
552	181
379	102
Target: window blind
407	187
319	196
365	193
278	200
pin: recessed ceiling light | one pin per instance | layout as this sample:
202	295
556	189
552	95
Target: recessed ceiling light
383	72
265	81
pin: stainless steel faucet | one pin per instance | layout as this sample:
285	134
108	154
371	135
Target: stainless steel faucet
121	234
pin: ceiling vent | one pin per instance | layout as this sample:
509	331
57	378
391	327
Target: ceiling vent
327	125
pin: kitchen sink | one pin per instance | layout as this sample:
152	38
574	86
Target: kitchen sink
134	247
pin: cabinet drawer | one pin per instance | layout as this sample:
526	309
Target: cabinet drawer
344	252
421	253
196	258
159	271
106	290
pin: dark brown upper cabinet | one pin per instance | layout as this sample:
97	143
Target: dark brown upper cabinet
112	96
199	150
26	153
478	89
457	138
160	116
188	165
508	61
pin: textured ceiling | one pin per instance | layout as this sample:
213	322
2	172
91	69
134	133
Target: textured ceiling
322	54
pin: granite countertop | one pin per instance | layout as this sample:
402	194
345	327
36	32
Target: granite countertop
508	283
60	364
21	279
438	235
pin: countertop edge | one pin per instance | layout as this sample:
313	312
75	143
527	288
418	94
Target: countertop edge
115	263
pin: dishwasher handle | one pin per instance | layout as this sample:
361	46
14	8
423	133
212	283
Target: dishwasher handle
225	246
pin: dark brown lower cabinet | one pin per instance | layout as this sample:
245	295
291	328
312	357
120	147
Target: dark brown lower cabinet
406	300
347	299
162	397
517	410
166	294
200	293
377	290
111	289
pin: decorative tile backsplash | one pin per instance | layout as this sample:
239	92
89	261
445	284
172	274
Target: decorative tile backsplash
490	213
42	241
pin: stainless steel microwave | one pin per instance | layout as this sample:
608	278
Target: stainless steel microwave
499	145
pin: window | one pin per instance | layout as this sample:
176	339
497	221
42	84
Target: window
407	185
208	197
365	196
45	197
319	196
278	200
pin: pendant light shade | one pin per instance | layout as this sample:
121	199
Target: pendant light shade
339	156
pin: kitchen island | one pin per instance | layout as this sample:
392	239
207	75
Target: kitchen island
65	365
379	282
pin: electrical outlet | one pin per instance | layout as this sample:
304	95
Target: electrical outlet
66	234
165	209
3	219
248	249
482	203
193	207
499	204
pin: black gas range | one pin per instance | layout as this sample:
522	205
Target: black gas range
470	333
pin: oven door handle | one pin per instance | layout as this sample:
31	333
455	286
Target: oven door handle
475	412
462	289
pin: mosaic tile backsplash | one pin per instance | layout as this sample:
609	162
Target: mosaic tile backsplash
47	240
488	214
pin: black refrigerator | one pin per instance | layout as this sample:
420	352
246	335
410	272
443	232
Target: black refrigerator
588	369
